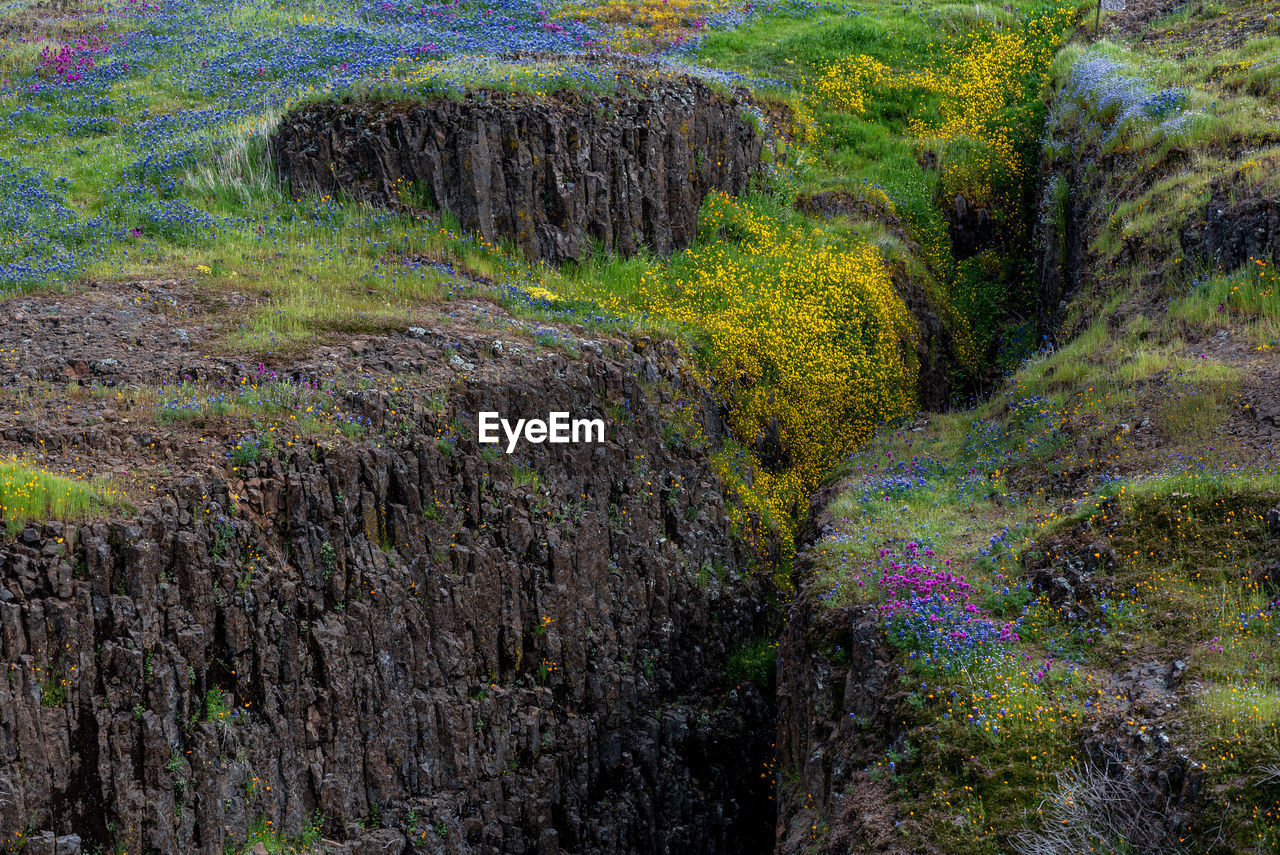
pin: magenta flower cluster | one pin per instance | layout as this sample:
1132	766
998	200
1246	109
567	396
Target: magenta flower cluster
929	610
72	60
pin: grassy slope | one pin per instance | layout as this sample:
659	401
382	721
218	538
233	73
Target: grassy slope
322	260
1223	58
881	148
1134	435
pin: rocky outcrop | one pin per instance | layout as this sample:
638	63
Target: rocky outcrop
555	174
1237	225
1061	241
1074	569
1234	233
939	381
413	644
1162	785
857	207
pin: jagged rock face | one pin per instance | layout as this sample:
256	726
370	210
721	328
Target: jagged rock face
935	349
835	709
1235	232
1074	581
553	174
1229	234
1162	780
970	227
1073	568
408	637
1062	236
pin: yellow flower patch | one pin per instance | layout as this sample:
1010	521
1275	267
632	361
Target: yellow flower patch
811	338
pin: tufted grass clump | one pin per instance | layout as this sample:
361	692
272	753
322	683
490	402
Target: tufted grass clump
1090	811
263	831
217	707
754	662
1248	298
241	174
27	493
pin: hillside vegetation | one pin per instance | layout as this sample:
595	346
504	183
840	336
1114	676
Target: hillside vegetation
137	147
1079	576
1062	240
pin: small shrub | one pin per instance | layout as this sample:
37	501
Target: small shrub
216	706
328	559
53	689
1091	811
251	449
525	476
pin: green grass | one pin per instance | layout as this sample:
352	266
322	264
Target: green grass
278	843
216	706
755	662
29	494
1188	531
54	686
456	77
1243	710
241	175
1236	725
323	265
1202	402
1103	362
1248	298
874	147
1224	142
525	476
19	59
879	148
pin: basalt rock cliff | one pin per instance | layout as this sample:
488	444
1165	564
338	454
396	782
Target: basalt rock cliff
418	643
555	175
